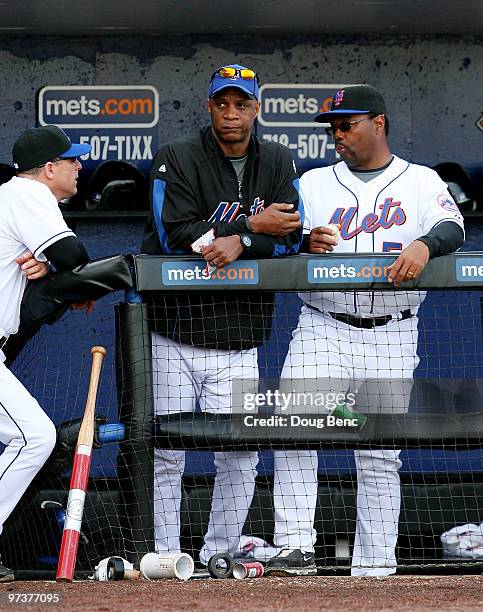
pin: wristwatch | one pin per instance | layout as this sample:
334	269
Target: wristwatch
246	241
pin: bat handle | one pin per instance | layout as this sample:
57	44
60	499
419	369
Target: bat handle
132	575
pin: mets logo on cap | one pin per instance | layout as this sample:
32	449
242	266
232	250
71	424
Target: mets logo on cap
339	96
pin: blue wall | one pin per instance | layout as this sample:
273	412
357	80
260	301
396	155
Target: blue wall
56	366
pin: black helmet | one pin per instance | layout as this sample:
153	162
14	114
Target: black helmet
117	185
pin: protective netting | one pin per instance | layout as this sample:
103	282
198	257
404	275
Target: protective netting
324	380
55	367
269	485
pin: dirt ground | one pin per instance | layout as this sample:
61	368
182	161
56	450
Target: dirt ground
309	593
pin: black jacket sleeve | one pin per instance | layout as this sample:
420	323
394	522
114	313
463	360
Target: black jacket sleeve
286	190
175	206
446	237
175	210
67	253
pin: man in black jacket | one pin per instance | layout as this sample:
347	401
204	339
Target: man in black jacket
246	191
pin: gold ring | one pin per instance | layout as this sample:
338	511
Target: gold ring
410	273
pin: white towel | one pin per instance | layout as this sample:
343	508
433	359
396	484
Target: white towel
463	541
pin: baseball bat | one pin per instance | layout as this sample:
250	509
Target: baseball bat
80	476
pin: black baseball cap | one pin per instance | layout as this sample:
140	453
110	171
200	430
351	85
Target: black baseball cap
354	100
37	146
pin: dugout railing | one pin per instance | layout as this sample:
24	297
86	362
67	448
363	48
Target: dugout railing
449	379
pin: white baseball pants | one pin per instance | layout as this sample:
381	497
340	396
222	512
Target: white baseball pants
182	375
336	355
28	435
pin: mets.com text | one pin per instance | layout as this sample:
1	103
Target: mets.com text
200	273
469	269
195	273
94	107
343	271
349	269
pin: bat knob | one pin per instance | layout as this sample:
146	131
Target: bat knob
99	349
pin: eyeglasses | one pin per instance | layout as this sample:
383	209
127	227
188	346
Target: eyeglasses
59	159
50	161
228	72
345	126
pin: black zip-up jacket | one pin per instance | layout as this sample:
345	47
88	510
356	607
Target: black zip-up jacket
194	187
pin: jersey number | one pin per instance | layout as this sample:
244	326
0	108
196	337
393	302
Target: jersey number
387	247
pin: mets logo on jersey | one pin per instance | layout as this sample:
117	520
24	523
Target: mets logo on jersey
391	214
228	211
447	202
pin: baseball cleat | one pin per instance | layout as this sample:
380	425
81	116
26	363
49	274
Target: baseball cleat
292	563
6	574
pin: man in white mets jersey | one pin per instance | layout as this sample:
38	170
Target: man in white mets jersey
382	204
32	232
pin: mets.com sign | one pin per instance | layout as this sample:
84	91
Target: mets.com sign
109	106
195	273
291	105
469	269
342	270
346	269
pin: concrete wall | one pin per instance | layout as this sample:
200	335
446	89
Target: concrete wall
432	85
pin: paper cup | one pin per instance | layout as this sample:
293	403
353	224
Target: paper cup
167	565
335	231
250	569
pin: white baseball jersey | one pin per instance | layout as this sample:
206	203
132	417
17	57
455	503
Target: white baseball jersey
30	219
383	215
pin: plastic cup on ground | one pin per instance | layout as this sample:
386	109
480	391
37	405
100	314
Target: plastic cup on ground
167	565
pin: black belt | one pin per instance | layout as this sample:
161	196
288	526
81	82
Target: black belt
365	322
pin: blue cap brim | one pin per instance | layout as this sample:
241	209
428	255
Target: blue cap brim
76	150
325	117
236	86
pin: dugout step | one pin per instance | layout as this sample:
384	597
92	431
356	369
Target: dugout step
426	511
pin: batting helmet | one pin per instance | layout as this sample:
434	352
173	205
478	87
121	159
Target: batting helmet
117	185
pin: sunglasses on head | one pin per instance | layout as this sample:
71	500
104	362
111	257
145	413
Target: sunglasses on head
228	72
346	126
